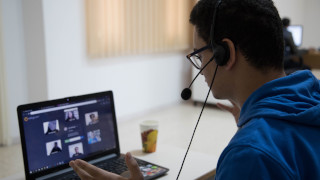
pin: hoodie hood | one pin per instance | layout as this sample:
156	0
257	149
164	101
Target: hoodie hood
294	98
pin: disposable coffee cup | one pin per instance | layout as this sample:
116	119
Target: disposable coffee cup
149	133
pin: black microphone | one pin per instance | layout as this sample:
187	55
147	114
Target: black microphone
186	92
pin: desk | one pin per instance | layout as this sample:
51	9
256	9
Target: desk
312	60
175	129
213	134
196	164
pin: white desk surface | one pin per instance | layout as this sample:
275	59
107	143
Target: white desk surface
196	163
213	134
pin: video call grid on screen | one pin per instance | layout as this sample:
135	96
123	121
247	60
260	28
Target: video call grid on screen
56	135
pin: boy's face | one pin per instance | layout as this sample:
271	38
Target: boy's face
205	57
219	87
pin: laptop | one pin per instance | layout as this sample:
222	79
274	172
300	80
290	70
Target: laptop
83	127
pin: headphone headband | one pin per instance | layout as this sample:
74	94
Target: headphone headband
215	12
220	50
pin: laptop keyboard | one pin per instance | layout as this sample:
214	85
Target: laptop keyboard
116	165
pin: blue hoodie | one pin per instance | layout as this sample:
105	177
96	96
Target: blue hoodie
279	133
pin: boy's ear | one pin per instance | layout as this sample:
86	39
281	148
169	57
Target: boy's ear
232	54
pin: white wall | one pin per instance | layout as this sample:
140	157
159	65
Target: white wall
14	60
305	13
139	83
312	26
33	26
294	9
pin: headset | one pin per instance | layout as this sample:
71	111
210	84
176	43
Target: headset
221	53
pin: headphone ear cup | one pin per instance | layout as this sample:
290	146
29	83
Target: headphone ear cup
221	54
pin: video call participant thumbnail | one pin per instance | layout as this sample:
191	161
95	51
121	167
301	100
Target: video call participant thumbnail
91	118
94	136
75	150
53	147
51	127
71	114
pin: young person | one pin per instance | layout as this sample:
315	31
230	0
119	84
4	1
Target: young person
292	60
279	121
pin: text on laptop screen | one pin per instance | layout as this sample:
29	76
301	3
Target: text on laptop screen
56	134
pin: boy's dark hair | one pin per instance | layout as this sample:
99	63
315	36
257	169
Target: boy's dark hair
254	26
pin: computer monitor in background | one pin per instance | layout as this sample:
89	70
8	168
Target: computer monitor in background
296	31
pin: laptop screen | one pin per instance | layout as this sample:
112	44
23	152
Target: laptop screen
56	132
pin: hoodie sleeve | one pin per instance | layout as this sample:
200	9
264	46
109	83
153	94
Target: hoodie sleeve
249	163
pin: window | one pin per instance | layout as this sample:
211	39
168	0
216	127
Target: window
122	27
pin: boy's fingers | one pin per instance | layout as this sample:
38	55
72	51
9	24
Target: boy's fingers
133	167
81	173
94	171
